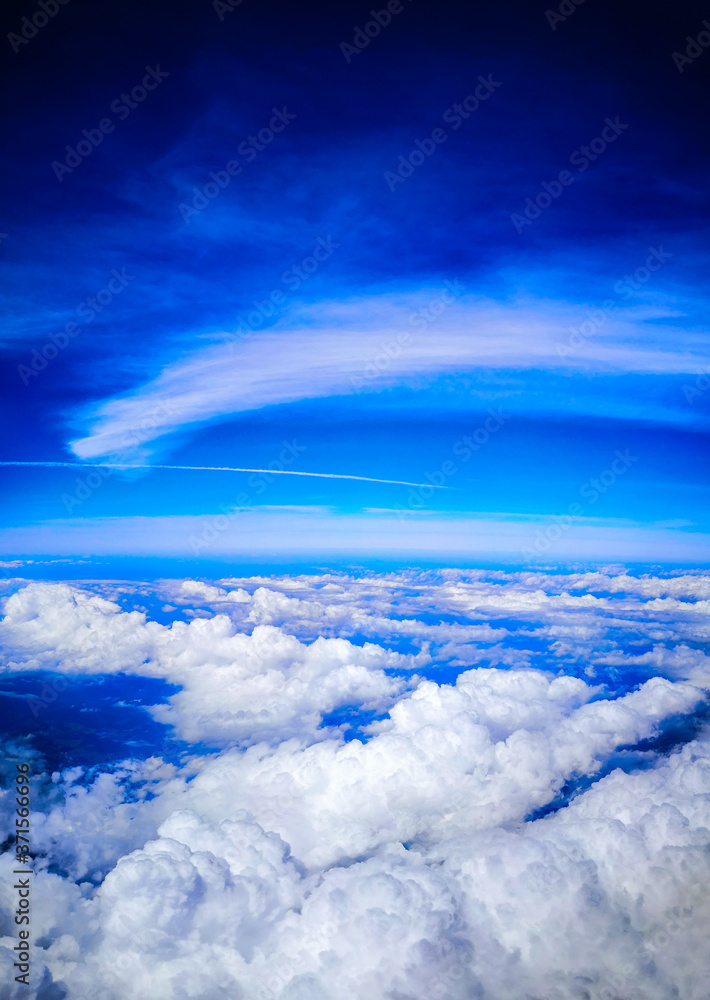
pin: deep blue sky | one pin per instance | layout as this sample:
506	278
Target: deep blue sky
304	373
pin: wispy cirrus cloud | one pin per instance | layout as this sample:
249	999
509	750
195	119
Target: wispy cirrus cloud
322	350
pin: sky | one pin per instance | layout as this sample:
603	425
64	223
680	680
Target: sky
360	293
354	538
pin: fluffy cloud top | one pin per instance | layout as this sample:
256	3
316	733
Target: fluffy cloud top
235	687
294	865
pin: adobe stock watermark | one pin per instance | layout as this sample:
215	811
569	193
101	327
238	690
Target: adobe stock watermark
421	320
464	449
121	107
249	148
133	437
387	353
293	277
47	9
695	47
689	872
22	951
258	482
283	970
699	387
449	982
454	116
591	491
625	287
87	310
566	9
363	36
581	158
48	694
222	7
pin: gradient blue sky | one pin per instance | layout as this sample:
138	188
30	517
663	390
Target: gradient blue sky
428	311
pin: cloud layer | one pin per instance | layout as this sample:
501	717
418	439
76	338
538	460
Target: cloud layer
296	862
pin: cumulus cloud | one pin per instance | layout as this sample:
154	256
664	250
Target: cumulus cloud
235	687
293	864
474	616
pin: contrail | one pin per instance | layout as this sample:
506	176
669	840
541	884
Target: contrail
218	468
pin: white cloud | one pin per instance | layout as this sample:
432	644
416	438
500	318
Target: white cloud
235	687
611	892
318	350
303	867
